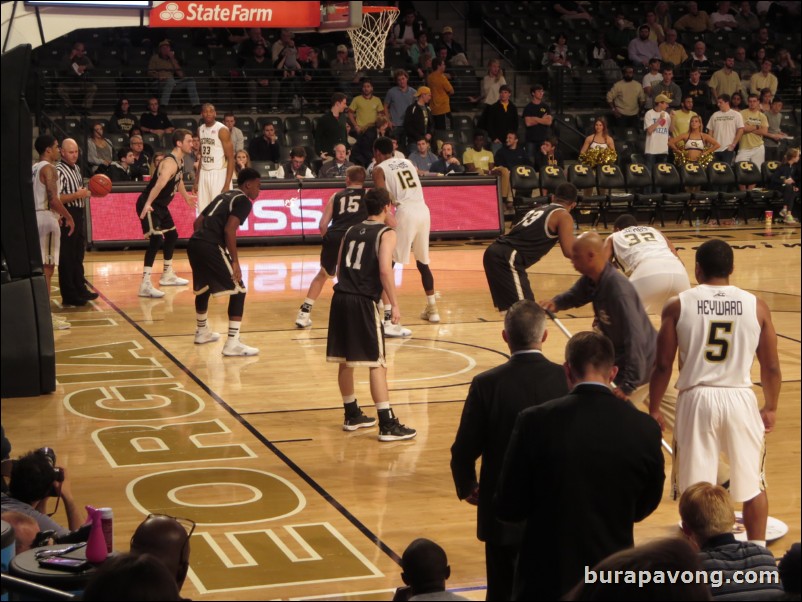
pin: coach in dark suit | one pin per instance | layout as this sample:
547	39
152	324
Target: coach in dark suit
494	401
581	470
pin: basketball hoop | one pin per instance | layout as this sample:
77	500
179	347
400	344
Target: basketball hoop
369	40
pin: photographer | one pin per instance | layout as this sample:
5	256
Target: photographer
35	478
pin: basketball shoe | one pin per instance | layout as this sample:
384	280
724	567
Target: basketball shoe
358	421
393	430
430	313
206	336
395	330
303	320
146	290
170	278
235	347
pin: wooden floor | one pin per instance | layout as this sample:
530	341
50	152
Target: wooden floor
287	504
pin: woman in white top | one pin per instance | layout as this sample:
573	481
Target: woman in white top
98	149
557	54
693	144
599	148
490	84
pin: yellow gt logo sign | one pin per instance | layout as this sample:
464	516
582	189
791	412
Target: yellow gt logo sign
746	165
692	167
638	169
523	171
581	169
608	169
719	167
552	171
664	168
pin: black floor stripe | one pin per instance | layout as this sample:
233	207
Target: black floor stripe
260	437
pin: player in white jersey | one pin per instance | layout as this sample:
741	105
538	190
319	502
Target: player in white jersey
49	210
718	329
649	260
400	178
216	165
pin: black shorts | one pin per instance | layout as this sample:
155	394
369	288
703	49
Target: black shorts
158	221
211	269
356	336
330	251
506	276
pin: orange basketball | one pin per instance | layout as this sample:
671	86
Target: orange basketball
99	185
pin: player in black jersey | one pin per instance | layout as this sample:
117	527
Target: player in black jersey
212	251
157	222
356	336
344	209
507	259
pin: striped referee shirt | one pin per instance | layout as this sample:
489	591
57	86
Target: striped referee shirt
69	181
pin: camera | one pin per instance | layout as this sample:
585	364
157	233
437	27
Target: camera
58	471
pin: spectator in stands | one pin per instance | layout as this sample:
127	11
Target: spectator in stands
599	54
765	100
763	79
241	160
652	77
330	129
142	158
700	92
423	67
707	516
537	119
296	167
362	152
548	154
154	120
421	46
661	556
756	125
34	479
406	31
699	60
671	51
723	19
663	15
254	38
237	137
289	69
727	127
418	120
131	577
571	11
99	151
344	71
491	84
500	118
657	125
763	40
626	98
456	53
556	54
425	572
165	69
423	157
278	46
641	49
365	108
312	86
680	120
745	19
120	170
668	88
158	157
743	66
75	77
167	539
477	158
505	160
258	70
267	146
695	20
122	120
726	80
336	166
785	69
447	163
656	33
775	135
398	99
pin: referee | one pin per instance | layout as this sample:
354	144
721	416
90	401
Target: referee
71	261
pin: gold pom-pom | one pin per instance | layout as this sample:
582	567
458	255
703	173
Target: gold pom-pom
593	157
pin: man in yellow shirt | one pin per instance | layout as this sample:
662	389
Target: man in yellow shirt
681	120
478	159
672	51
441	91
365	108
694	20
756	125
763	79
725	80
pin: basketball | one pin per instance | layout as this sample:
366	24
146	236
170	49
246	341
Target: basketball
99	185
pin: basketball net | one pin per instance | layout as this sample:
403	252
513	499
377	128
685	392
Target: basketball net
369	40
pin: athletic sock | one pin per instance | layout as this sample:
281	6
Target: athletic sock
233	330
385	412
306	306
168	265
200	320
146	271
388	313
431	300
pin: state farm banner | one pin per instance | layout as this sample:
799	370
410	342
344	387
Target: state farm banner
241	14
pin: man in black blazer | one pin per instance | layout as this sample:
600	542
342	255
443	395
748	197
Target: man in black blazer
581	470
494	401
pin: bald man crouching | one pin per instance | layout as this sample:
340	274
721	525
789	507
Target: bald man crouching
619	314
74	197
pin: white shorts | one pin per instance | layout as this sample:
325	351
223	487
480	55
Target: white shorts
657	280
49	236
756	155
414	224
210	184
713	420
